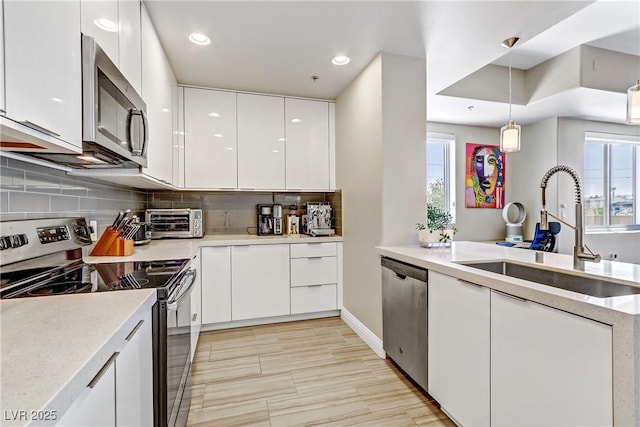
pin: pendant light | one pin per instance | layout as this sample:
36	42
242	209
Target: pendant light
510	133
633	104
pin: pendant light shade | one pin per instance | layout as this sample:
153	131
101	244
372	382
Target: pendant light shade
510	137
510	133
633	104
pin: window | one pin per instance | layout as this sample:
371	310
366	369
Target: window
611	182
440	171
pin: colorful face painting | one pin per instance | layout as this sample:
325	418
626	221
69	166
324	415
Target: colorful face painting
485	176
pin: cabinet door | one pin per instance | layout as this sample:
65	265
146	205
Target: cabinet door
97	406
260	275
261	142
100	21
307	153
548	367
210	139
134	377
157	87
196	305
459	350
129	42
216	284
42	66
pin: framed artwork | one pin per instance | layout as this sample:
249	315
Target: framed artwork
485	176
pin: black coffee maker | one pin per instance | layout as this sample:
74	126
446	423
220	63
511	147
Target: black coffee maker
269	219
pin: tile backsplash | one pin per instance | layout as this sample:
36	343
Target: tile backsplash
233	212
30	191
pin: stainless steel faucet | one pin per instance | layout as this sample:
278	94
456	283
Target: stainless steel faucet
579	254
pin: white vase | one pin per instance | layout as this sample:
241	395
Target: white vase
435	238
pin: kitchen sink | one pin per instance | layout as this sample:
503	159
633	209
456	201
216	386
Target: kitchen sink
570	282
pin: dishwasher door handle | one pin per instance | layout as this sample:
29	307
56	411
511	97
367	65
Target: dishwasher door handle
400	276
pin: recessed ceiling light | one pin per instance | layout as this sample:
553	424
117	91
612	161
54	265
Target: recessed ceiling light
282	139
199	38
296	121
106	24
340	60
218	135
214	114
166	110
54	99
275	151
229	148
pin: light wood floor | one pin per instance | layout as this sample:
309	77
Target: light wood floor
313	372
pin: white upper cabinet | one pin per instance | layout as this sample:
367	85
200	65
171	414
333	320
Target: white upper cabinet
261	146
100	21
210	145
115	26
307	144
129	43
158	81
42	67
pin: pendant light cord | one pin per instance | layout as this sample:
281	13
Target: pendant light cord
510	85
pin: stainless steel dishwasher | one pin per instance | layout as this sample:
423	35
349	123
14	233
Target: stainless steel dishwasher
404	317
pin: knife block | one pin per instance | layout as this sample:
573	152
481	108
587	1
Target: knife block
111	244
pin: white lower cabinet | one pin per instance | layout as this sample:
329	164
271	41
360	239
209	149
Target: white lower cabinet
313	298
134	377
458	316
260	281
548	367
121	392
216	284
97	406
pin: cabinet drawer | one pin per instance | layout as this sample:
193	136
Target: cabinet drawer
313	271
301	250
309	299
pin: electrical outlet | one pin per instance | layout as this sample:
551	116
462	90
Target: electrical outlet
94	224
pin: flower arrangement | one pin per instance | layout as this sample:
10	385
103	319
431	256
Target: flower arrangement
437	220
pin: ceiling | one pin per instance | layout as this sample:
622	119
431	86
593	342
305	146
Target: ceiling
276	46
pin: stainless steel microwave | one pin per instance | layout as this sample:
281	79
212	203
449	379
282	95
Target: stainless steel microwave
114	119
175	223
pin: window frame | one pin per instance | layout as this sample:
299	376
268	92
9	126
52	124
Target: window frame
449	144
607	140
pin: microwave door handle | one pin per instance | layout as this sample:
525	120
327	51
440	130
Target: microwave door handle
145	131
139	148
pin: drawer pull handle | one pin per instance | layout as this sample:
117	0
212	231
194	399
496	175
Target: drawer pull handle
471	283
103	370
195	316
40	128
133	332
314	286
314	257
511	296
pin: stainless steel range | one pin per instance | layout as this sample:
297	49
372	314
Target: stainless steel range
44	257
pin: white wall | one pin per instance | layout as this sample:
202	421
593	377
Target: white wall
537	155
472	223
380	151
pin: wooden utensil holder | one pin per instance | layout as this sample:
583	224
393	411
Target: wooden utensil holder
111	244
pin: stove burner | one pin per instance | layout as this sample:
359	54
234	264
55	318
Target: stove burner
73	287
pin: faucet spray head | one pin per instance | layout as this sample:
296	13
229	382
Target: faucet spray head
544	220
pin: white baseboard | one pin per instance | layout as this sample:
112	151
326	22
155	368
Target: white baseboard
363	332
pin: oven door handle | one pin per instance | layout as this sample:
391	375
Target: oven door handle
173	303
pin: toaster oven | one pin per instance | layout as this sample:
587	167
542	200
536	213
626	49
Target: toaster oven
175	223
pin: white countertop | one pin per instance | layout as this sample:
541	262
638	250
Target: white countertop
445	261
187	248
52	347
